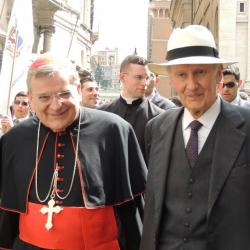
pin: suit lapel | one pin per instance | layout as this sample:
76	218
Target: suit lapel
162	144
228	135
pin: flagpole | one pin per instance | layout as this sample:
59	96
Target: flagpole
72	36
12	72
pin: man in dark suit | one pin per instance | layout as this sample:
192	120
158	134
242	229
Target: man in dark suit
229	88
198	188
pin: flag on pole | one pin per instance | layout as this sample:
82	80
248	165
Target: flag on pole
17	53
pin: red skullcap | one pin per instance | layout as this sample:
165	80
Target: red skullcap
43	59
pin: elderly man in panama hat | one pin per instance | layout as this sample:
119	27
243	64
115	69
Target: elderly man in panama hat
198	188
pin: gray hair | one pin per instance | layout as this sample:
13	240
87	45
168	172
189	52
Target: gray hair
48	71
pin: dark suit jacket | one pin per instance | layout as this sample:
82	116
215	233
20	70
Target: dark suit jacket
228	211
244	103
162	102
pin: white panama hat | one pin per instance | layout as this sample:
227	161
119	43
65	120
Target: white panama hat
191	45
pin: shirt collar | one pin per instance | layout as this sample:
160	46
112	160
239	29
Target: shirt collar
207	119
236	101
129	100
20	119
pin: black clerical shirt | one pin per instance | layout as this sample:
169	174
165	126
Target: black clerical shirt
137	114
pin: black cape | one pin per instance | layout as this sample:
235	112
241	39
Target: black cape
114	172
137	114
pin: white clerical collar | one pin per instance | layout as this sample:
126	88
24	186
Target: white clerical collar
129	100
207	119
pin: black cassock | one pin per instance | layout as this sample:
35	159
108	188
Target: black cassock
112	169
137	114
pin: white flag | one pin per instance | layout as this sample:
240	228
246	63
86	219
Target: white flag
19	41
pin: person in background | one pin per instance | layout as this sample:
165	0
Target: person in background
89	89
20	111
198	188
1	132
153	95
176	100
132	105
243	94
229	87
70	177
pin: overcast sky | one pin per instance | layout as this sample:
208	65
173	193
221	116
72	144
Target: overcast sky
122	24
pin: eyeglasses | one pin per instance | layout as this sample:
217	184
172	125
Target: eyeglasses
23	103
65	95
229	85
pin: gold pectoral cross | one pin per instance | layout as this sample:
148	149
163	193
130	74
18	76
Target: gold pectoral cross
50	210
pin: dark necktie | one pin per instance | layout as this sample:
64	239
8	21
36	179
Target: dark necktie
192	145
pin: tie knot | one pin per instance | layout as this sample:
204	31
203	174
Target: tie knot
195	125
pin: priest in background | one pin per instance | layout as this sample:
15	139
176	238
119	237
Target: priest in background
132	105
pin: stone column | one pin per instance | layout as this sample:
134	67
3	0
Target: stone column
47	31
44	12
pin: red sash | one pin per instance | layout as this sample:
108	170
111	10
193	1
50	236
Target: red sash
74	228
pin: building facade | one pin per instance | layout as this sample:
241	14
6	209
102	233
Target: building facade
61	26
159	29
107	61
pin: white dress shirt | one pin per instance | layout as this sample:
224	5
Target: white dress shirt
18	120
207	120
236	101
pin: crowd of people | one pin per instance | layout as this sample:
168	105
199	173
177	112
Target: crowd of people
140	172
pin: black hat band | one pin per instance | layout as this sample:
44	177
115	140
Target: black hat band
192	51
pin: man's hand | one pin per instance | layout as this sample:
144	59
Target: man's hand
6	123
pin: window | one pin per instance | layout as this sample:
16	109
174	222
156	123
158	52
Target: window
82	57
242	7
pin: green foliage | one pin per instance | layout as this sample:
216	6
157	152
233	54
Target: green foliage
105	84
99	74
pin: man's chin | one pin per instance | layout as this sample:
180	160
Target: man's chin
227	98
141	95
56	129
